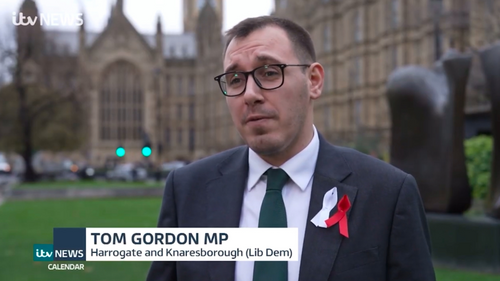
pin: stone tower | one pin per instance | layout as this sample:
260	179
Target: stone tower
29	37
192	9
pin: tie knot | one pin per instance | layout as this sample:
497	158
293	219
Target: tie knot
276	179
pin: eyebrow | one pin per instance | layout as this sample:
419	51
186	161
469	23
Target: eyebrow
260	58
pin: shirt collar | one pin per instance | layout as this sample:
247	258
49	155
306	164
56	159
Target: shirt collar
300	168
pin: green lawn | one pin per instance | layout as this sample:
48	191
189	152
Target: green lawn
456	275
24	223
87	184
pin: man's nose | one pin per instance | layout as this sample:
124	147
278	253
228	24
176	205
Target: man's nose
253	93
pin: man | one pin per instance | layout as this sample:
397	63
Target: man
270	81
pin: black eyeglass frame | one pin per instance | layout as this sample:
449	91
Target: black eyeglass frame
247	73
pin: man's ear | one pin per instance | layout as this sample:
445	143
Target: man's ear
316	80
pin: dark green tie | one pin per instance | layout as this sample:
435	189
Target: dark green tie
272	214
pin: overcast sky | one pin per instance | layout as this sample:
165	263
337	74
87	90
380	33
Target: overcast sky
142	13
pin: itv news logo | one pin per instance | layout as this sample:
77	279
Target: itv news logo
45	252
52	19
68	244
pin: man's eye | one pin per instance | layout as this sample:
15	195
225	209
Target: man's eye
234	81
270	73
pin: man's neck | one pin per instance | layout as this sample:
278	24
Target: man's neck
293	149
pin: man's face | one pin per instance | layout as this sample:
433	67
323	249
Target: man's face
270	121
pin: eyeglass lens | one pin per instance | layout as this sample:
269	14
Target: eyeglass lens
267	77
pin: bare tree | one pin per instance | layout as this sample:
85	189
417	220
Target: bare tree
35	113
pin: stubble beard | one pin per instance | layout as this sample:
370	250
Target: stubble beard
269	145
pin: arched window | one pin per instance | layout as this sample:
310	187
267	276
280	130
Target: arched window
121	103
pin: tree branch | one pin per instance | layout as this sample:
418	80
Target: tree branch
50	104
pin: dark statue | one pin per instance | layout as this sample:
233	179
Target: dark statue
427	113
490	59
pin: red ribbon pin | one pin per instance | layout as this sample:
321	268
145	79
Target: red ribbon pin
341	217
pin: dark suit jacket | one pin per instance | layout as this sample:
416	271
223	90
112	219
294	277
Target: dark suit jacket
388	234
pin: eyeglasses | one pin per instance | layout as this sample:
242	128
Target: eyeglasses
267	77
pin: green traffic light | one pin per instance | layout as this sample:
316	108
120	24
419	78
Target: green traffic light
120	151
146	151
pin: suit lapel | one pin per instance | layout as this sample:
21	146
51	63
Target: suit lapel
224	199
321	245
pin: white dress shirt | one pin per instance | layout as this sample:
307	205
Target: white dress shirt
296	195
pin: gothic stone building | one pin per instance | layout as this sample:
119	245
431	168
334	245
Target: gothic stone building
360	42
161	86
138	86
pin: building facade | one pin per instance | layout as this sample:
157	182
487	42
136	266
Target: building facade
139	89
360	42
159	88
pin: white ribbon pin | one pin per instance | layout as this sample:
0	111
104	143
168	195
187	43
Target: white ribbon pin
329	202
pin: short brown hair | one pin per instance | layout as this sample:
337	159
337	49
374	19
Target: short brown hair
299	37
